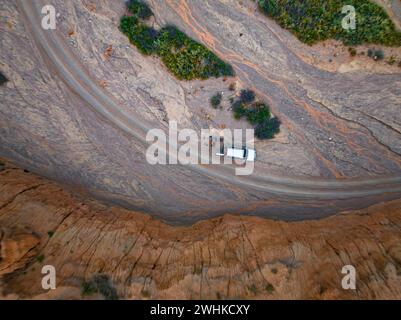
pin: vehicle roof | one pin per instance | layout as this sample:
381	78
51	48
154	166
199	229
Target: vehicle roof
236	153
251	155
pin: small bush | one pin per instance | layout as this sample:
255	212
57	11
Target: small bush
247	96
370	53
40	258
269	288
239	109
215	101
99	284
268	129
139	9
352	52
142	36
378	55
50	234
258	113
232	86
253	289
88	288
128	25
391	60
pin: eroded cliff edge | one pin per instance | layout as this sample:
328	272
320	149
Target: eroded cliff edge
42	223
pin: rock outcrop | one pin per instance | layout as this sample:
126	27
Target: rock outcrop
42	223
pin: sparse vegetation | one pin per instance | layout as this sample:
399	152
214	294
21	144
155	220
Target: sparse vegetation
318	20
352	52
99	283
253	289
269	288
50	234
215	101
183	56
391	60
40	258
257	113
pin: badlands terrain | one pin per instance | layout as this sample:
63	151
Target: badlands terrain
74	115
229	257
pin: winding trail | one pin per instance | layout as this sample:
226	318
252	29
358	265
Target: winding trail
72	74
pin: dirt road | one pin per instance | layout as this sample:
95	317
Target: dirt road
202	188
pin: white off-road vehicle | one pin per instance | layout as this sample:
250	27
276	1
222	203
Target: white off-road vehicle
244	154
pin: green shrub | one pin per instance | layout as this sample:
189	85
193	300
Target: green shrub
317	20
139	9
188	59
144	37
183	56
40	258
239	109
50	234
215	101
128	25
99	283
268	129
378	55
247	96
391	60
258	113
88	288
